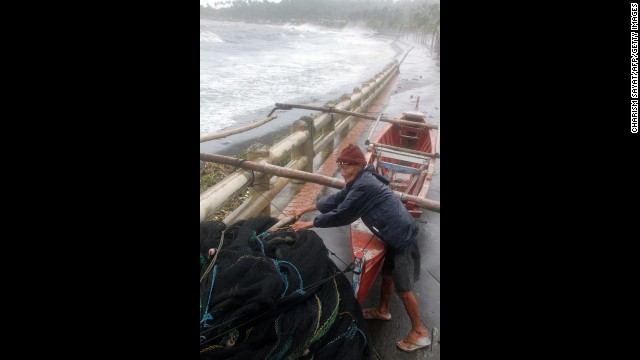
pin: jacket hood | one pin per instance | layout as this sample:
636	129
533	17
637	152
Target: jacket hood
371	169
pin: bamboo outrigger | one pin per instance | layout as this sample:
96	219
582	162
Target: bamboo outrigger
427	204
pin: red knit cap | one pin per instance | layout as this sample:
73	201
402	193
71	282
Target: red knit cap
352	155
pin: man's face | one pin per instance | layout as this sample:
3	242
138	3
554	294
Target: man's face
349	172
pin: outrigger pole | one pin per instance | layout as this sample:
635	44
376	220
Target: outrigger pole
330	109
222	134
427	204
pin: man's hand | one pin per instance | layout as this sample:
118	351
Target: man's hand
301	225
299	213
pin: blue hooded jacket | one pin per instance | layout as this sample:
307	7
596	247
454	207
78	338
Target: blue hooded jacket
368	197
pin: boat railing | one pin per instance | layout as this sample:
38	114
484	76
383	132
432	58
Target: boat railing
403	156
324	130
399	168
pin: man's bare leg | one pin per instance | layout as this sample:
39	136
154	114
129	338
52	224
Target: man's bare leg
385	294
418	331
382	311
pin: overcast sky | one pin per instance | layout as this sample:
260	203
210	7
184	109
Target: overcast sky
211	2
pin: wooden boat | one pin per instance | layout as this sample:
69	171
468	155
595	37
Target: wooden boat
405	155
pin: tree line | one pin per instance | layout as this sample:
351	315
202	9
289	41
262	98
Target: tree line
420	18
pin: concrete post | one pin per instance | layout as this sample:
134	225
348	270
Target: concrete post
261	180
356	101
356	98
327	129
366	89
306	149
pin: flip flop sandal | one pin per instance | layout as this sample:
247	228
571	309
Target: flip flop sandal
373	314
413	346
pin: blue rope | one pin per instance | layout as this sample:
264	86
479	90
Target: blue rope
206	315
263	235
297	272
276	263
364	336
259	239
352	331
300	290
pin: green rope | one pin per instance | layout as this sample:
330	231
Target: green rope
332	318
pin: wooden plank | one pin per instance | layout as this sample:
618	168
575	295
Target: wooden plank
405	150
375	124
391	154
428	204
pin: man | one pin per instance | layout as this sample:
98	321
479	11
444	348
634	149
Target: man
366	195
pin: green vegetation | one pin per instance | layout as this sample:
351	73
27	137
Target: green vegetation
419	18
211	173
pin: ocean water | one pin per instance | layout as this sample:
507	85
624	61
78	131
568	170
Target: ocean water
246	68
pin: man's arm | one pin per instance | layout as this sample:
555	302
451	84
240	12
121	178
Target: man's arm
299	213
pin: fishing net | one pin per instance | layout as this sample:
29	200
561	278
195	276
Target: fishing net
275	295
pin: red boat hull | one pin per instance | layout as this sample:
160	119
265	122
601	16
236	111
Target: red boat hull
371	249
424	141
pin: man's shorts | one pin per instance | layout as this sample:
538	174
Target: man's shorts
403	265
